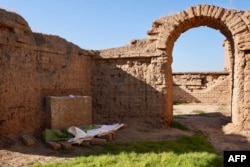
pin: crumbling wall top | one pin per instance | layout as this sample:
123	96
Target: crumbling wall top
13	20
136	49
15	31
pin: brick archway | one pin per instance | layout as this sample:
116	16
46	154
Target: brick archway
235	26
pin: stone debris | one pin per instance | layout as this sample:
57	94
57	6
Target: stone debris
88	135
108	137
98	140
27	140
65	145
54	145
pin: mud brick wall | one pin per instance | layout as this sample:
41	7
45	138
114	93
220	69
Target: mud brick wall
235	26
247	88
32	67
127	86
211	87
131	81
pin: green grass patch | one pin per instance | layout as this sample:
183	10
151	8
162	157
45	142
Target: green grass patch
175	124
199	112
188	151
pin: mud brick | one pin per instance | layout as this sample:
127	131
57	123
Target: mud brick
54	145
65	145
98	141
27	140
107	137
85	143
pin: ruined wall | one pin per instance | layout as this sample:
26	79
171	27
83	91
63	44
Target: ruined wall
235	26
129	82
210	87
33	66
246	95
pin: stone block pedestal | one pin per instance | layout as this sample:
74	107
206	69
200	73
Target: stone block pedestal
65	111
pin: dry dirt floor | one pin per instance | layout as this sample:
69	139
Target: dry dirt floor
211	120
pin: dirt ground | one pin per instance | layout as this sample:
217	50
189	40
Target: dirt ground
212	120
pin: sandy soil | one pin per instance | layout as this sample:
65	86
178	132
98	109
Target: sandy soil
212	120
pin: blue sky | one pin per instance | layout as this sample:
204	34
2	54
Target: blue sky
99	24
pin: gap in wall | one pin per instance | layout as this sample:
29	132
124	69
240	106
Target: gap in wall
200	72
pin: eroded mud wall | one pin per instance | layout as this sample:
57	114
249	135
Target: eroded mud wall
129	82
210	87
33	66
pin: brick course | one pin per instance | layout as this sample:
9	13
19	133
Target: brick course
213	87
134	80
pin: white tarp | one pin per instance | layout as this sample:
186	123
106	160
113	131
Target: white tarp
81	135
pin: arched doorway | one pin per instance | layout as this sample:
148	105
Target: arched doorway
235	26
201	73
201	78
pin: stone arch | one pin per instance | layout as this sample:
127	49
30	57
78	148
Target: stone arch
235	26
